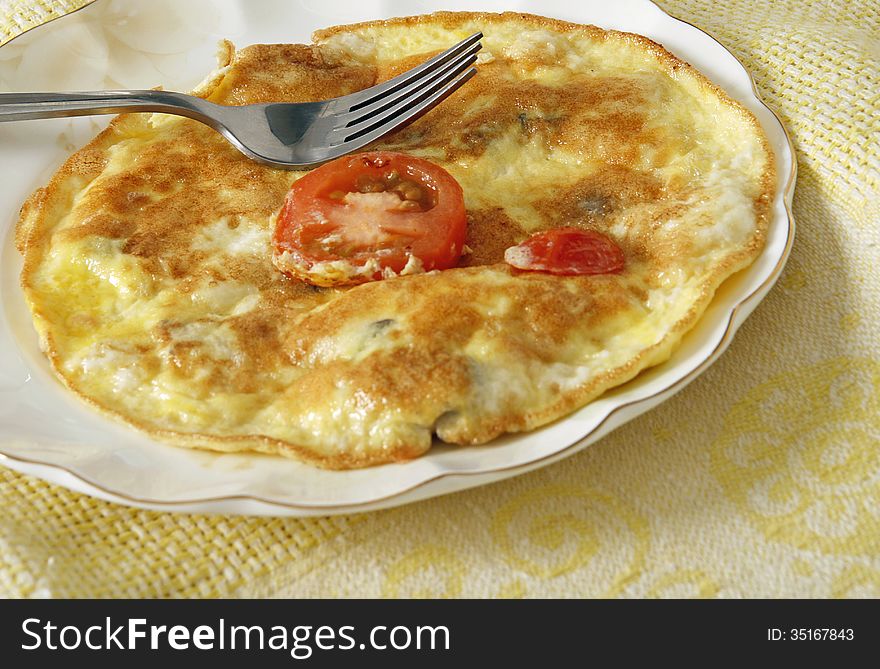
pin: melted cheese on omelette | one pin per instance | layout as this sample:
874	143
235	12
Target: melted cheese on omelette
148	261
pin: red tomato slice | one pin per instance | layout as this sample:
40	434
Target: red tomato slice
375	212
567	251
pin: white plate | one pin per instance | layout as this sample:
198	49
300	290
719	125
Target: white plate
47	432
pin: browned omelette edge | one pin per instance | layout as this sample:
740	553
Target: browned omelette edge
87	163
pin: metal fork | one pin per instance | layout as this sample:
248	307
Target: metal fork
287	135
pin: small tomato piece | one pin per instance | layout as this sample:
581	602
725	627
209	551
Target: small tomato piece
567	251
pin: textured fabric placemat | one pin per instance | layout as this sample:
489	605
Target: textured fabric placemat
761	478
16	16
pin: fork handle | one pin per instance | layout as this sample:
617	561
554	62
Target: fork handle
25	106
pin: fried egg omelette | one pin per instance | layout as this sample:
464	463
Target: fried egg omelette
148	261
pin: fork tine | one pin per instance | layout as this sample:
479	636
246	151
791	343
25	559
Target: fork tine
388	112
379	107
376	93
415	108
400	107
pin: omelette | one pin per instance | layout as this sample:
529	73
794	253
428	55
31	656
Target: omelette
148	257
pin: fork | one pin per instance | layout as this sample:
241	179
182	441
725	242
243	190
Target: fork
285	135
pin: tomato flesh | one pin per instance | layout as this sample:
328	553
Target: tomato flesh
377	212
567	251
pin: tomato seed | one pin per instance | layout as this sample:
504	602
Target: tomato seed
367	184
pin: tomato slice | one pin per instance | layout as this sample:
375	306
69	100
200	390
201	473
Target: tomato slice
567	251
365	216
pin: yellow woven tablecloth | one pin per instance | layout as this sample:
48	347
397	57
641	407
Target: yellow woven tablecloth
675	503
